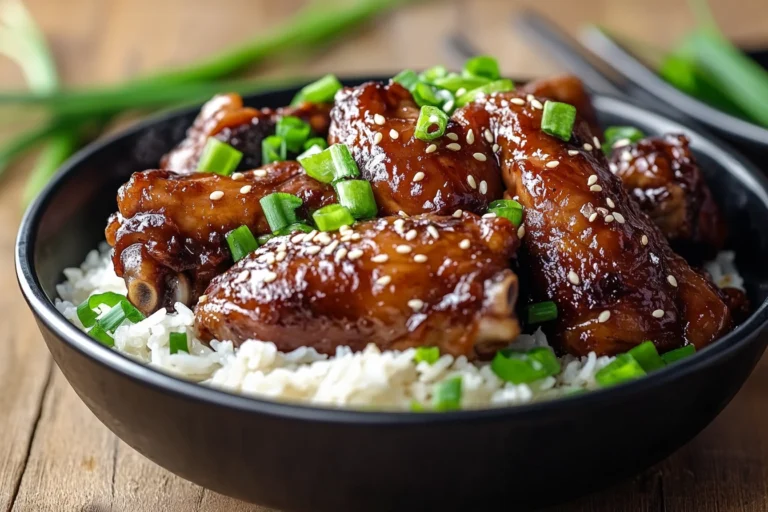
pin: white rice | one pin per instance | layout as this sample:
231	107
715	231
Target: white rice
369	379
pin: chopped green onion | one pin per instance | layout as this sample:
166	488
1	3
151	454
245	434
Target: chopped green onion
241	242
502	85
315	142
332	217
482	66
558	119
447	395
280	209
425	94
433	73
455	82
407	78
431	123
647	356
178	342
273	149
678	354
509	209
614	134
219	158
542	312
330	165
520	367
320	91
313	150
86	311
294	131
430	355
417	406
99	334
357	197
121	312
622	369
293	228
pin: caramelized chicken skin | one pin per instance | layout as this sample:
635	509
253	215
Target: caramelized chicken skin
661	174
169	239
396	282
244	128
456	171
589	247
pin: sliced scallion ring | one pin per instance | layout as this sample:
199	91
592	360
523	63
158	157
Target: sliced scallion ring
357	197
558	119
280	209
320	91
622	369
332	217
542	312
501	85
178	342
273	149
330	165
647	356
446	395
219	158
294	131
431	124
482	66
522	367
241	242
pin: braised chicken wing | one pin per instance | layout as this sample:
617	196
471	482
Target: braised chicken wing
589	247
396	282
243	128
169	236
662	175
456	171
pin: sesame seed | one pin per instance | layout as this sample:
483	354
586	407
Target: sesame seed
403	249
621	142
596	188
340	254
411	235
515	139
573	152
313	249
416	304
536	104
297	238
495	148
521	231
308	238
238	176
431	148
267	257
354	254
260	173
399	223
245	189
344	228
281	256
596	141
203	298
242	276
592	180
453	146
269	277
587	146
471	181
402	213
573	277
488	135
619	217
420	258
644	240
480	157
464	244
346	237
377	137
593	217
604	316
460	91
393	134
490	215
612	166
282	247
626	156
658	313
602	210
470	137
517	101
452	136
552	164
609	218
457	214
610	202
380	258
356	236
483	187
448	106
216	195
383	280
323	239
379	119
418	176
671	279
432	230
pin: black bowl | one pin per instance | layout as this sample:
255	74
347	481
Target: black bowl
306	458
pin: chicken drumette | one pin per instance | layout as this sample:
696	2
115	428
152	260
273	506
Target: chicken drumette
396	282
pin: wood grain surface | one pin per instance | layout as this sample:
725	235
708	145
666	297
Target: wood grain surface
55	455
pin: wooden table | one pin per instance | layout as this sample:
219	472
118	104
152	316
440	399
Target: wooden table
55	455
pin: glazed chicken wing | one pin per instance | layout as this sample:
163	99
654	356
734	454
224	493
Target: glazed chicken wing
396	282
169	236
661	174
243	128
610	271
456	171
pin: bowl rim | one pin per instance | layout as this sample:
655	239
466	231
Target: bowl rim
637	72
66	332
